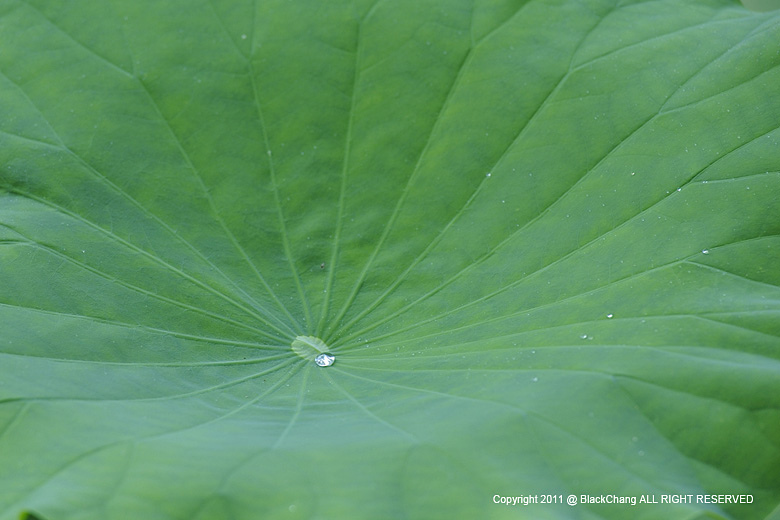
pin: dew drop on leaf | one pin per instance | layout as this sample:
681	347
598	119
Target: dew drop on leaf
325	360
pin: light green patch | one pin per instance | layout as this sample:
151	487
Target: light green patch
309	347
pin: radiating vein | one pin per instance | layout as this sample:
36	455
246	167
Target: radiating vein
520	312
725	272
136	326
152	257
520	134
400	278
116	189
170	397
343	185
18	416
272	172
207	194
710	317
84	455
153	294
120	473
508	239
212	206
274	183
228	233
298	407
364	409
153	364
336	322
92	52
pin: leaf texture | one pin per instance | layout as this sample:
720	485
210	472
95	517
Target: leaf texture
542	239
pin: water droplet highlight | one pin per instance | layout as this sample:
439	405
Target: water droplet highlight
325	360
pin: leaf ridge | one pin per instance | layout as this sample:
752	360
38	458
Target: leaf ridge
277	199
541	214
153	294
343	185
98	449
363	408
725	272
461	211
168	397
143	252
298	408
113	187
401	199
165	332
81	45
228	233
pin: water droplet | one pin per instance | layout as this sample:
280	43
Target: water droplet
705	251
325	360
487	174
609	315
535	379
243	36
583	336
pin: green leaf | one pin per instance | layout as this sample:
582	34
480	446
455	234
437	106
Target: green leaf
541	238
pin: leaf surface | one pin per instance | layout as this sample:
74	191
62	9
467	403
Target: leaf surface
541	238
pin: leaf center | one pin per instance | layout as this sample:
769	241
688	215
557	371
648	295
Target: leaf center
309	347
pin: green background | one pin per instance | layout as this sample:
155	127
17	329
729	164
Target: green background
541	239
